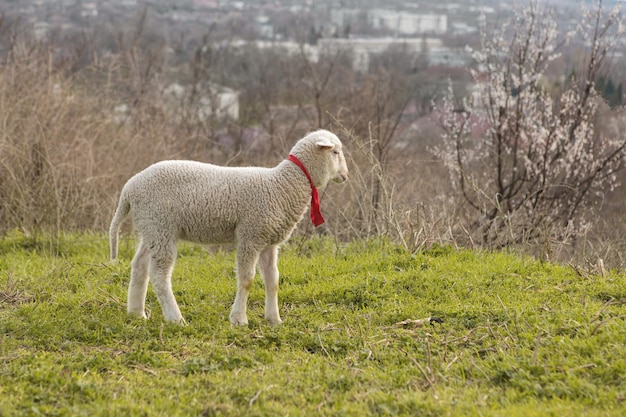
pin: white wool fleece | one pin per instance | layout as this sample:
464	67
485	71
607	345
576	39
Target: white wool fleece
257	208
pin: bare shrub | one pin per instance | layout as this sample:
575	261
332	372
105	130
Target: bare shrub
61	148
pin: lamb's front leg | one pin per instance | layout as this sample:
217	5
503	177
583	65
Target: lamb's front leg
269	272
246	268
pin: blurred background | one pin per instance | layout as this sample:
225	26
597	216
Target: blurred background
429	99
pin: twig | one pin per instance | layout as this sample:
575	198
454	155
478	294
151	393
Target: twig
603	322
431	383
111	296
145	369
322	345
420	322
258	394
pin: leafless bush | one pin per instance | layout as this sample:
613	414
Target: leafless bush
62	151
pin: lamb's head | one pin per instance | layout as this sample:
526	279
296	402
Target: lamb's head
321	152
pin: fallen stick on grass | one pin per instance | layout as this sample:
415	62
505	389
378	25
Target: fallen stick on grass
420	322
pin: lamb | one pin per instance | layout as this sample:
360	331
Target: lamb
255	208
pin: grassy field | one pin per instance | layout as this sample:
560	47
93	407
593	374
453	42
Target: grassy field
518	338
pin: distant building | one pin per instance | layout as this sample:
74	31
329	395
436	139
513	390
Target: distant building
342	17
89	9
211	4
290	48
212	100
362	50
264	27
41	30
404	23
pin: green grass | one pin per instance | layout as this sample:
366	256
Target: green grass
519	338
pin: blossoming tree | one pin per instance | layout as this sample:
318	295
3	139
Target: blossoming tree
537	161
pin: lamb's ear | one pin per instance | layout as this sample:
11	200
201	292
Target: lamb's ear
325	145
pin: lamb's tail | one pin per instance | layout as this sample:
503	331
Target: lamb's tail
123	208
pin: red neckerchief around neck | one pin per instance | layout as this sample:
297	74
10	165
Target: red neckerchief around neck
316	214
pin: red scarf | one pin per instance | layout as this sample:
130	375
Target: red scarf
316	214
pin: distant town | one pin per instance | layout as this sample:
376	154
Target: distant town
439	31
436	33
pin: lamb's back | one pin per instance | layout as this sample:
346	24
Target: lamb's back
200	202
182	181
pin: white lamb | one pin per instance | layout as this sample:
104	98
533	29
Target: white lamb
257	208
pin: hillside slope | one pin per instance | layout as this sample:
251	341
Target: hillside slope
518	338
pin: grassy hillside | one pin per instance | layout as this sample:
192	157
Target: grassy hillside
519	337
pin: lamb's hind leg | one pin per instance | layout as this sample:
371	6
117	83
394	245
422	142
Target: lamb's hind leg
246	268
162	259
269	272
138	287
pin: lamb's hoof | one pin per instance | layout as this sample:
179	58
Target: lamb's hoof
237	321
176	320
139	314
274	322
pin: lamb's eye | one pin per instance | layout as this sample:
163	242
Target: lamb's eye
336	152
